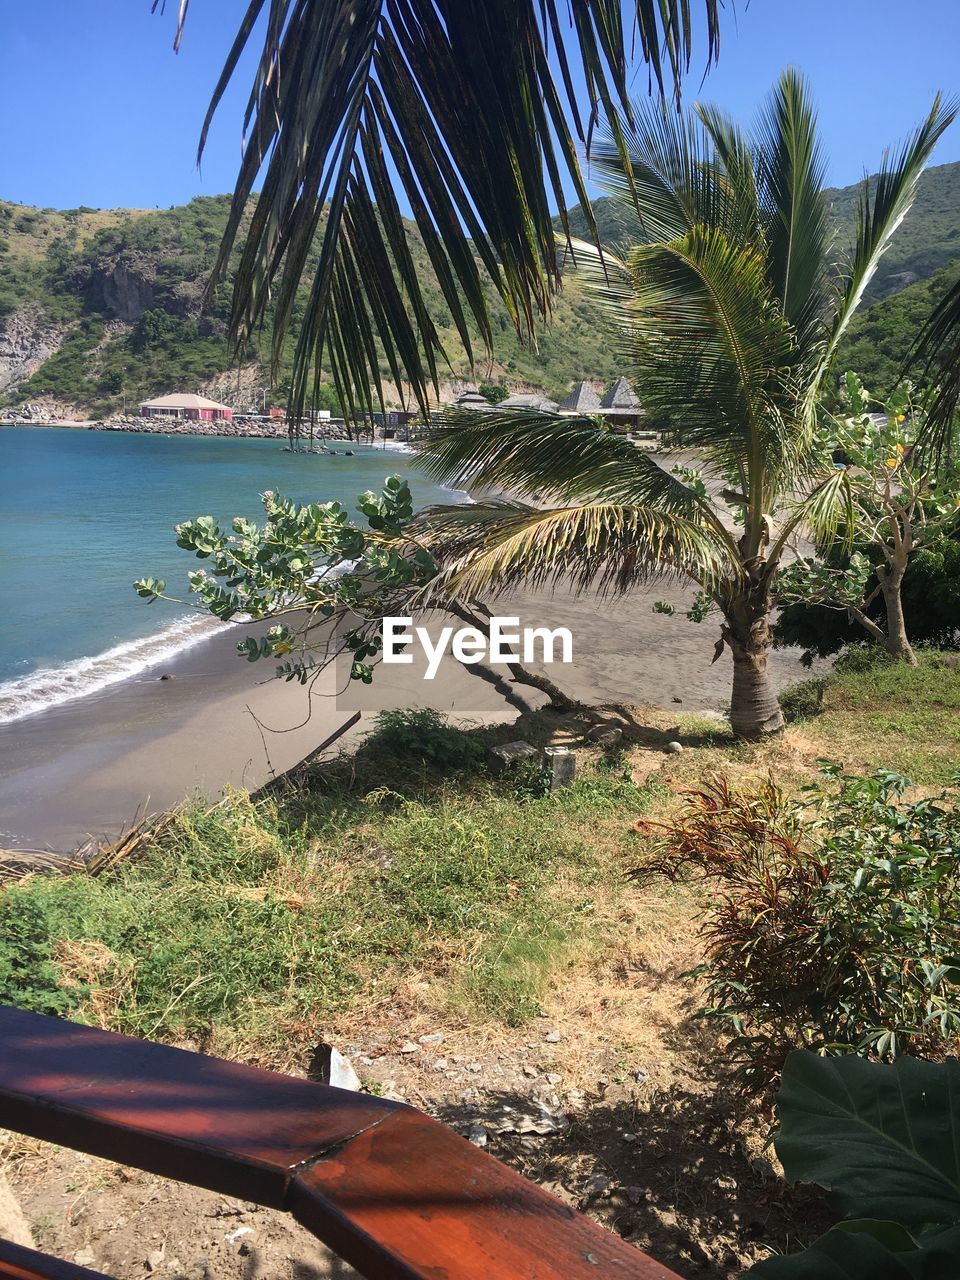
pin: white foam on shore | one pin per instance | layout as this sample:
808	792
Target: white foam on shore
51	686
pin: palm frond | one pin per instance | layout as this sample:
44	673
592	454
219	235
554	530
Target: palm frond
791	170
829	510
938	348
737	156
607	547
713	349
658	163
881	210
458	101
563	459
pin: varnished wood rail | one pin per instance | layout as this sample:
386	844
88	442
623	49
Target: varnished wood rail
394	1193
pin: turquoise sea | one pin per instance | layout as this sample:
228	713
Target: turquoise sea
84	513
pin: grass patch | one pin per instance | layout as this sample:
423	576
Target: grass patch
897	717
262	921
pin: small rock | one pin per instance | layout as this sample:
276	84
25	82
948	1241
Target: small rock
529	1070
673	748
474	1067
154	1259
606	735
87	1258
630	1137
440	1064
477	1134
435	1037
553	1078
234	1236
409	1047
636	1195
329	1066
603	1082
553	1037
596	1185
641	1075
509	754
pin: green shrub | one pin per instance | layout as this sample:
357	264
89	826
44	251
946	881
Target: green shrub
803	700
29	978
863	657
835	920
425	736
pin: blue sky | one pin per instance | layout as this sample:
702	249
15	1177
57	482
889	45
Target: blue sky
98	110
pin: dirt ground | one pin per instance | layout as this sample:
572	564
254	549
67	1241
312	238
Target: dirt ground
610	1100
614	1099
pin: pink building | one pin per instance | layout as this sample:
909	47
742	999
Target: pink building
185	406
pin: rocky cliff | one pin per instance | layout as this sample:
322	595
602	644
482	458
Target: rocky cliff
27	339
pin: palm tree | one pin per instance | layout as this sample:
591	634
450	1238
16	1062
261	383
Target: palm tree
469	108
938	348
729	315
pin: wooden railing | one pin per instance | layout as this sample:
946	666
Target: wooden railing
396	1194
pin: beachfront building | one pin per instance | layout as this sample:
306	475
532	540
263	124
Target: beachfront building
583	399
470	398
621	407
535	403
185	405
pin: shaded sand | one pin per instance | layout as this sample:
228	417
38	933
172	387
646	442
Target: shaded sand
87	767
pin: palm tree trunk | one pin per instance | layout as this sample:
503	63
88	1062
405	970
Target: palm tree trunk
754	710
897	642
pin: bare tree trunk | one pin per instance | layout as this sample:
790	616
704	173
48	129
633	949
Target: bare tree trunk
754	710
896	641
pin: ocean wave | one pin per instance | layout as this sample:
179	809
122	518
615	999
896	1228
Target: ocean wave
50	686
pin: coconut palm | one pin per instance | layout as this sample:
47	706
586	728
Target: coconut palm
469	108
938	349
728	314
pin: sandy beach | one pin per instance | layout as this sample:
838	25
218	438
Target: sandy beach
87	767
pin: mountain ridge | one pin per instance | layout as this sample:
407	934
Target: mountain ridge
101	308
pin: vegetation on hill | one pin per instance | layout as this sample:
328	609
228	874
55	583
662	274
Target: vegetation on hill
127	287
879	341
928	240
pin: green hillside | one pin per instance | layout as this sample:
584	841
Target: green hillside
125	287
878	342
115	296
928	239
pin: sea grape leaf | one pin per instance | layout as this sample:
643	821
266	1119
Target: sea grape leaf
884	1138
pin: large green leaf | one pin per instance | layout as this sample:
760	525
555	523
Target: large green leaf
885	1139
868	1250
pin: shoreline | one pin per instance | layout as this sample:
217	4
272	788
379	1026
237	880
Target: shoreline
187	427
87	767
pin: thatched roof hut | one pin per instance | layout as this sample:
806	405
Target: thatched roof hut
582	399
